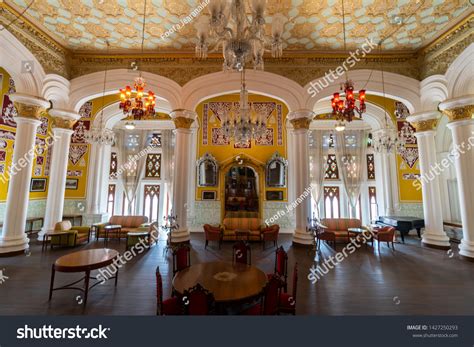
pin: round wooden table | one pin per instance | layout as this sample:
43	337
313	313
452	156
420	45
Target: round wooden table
83	261
228	282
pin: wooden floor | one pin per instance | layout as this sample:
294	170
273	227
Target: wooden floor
410	281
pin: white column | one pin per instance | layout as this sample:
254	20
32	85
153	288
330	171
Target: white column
13	238
425	124
183	120
386	178
459	112
62	131
301	121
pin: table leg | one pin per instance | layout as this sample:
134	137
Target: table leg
418	231
106	236
53	270
116	276
403	237
86	285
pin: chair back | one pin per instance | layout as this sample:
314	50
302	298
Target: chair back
181	258
386	233
281	262
242	253
65	225
198	301
159	292
271	295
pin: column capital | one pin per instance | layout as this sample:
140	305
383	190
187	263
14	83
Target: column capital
301	119
29	106
183	119
64	119
424	121
458	109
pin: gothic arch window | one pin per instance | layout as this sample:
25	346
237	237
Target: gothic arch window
151	200
111	200
331	202
373	207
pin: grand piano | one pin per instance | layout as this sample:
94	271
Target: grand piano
403	224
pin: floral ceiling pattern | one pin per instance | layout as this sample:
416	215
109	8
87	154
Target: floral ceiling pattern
312	25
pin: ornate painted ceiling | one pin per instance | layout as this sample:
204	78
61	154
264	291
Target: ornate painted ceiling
314	25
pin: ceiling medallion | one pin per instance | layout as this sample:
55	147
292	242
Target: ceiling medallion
344	110
243	39
138	106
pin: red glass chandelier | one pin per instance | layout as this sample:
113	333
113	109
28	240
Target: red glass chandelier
138	106
133	102
345	109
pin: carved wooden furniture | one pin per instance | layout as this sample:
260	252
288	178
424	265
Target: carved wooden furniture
171	306
242	253
198	301
212	234
181	258
287	303
83	261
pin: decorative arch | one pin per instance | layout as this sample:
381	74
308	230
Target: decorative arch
14	55
460	75
243	161
433	90
397	87
90	86
259	82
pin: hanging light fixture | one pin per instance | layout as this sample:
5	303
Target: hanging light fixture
243	39
133	102
98	134
244	123
345	109
387	140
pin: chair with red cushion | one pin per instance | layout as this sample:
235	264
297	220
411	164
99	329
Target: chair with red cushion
385	234
281	265
270	233
269	301
181	258
212	234
242	253
288	300
198	301
171	306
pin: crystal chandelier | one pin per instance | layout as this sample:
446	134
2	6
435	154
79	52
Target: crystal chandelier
243	39
138	106
345	110
243	123
99	134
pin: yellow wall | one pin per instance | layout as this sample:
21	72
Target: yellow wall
9	149
407	191
225	152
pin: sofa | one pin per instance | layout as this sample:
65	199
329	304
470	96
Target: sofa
66	235
128	224
231	224
339	227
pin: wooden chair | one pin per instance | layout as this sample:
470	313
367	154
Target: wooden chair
171	306
242	253
269	300
385	234
198	301
212	234
281	265
287	303
324	235
181	258
270	234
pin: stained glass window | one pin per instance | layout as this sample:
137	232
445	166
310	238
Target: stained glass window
151	201
155	140
332	172
153	165
370	167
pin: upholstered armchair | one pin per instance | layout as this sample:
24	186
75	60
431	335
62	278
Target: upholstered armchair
270	233
65	234
385	234
212	234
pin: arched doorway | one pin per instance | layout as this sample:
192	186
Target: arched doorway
241	191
